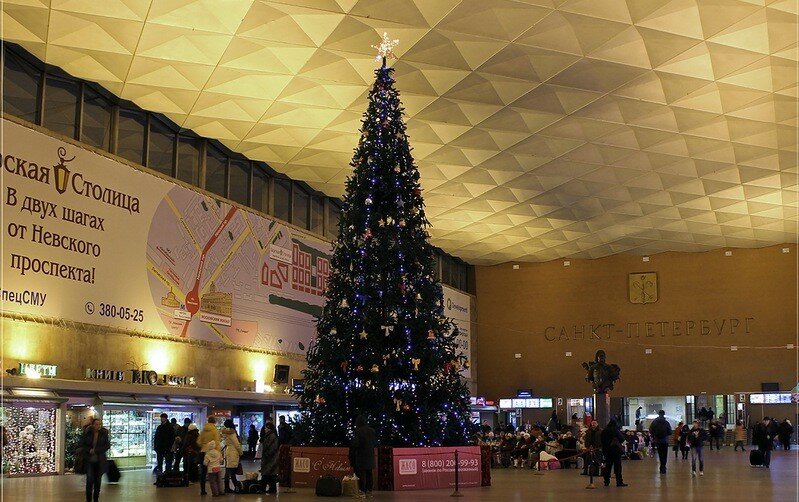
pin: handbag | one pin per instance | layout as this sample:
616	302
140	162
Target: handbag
240	469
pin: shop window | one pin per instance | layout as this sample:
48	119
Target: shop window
189	160
300	213
317	215
61	106
216	172
29	429
333	215
260	190
161	148
127	430
282	193
96	120
240	181
20	87
130	135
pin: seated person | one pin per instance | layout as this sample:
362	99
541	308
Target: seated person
568	450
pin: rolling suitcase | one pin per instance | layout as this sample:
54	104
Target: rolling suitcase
113	472
756	458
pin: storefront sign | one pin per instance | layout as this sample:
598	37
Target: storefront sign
38	370
110	375
430	468
650	329
146	377
71	216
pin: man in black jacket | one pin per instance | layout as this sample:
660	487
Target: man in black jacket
612	440
593	443
763	437
661	432
284	432
163	440
363	454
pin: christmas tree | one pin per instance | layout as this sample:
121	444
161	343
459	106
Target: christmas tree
384	348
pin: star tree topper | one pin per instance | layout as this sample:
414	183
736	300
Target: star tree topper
386	48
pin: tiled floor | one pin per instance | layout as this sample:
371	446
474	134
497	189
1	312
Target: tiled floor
728	477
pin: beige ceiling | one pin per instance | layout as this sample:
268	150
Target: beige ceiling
542	128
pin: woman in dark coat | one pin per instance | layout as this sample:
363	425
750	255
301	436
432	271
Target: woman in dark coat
95	445
269	465
363	453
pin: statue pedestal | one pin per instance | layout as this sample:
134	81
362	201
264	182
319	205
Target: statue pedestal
602	408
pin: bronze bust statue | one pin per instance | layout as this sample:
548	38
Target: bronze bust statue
601	374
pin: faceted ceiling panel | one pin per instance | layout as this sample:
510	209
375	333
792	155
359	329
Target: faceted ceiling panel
542	128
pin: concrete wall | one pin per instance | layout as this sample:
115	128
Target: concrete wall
544	310
73	348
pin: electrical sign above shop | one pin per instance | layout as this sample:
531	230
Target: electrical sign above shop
531	403
142	377
772	398
33	370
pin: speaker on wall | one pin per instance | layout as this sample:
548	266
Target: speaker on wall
281	373
770	387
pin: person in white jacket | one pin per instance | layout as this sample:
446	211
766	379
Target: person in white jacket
232	452
212	461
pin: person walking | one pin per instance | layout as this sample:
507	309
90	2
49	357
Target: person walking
592	441
208	436
675	437
180	438
660	429
784	432
716	432
284	432
696	439
95	445
252	441
613	449
269	454
163	440
363	447
231	451
684	448
212	463
191	453
740	435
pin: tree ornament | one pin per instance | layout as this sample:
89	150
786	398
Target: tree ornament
415	362
375	369
418	296
397	168
344	303
344	365
387	329
386	48
359	369
363	334
417	192
367	234
431	335
397	403
368	201
381	222
402	222
406	407
333	331
389	220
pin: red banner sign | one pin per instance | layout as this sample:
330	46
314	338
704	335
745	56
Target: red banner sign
309	464
430	468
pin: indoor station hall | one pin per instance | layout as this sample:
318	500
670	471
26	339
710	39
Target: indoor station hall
399	249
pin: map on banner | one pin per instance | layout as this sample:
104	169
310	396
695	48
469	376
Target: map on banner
89	239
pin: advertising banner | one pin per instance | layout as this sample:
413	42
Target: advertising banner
309	463
457	306
430	468
89	239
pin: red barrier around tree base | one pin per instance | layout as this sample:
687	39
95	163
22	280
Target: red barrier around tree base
397	468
